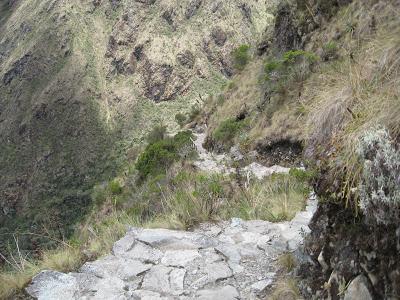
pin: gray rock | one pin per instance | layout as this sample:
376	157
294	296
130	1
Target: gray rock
358	289
147	295
225	293
125	244
179	258
51	285
322	261
123	268
261	285
217	271
192	8
163	279
160	237
143	253
107	288
230	252
219	36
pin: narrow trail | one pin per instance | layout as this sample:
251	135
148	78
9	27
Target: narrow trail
221	163
229	260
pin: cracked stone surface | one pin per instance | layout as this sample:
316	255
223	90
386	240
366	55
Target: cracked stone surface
227	260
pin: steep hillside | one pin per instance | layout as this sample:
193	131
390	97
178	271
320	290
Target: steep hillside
83	81
314	86
329	95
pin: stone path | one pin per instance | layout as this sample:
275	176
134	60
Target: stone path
227	260
220	163
223	261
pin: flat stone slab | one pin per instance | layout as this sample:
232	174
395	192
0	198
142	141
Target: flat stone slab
179	258
53	285
225	293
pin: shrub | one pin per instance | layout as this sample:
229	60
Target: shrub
159	155
302	175
158	133
231	85
180	119
380	184
330	51
194	113
293	66
288	262
272	65
241	56
115	187
292	56
156	158
227	130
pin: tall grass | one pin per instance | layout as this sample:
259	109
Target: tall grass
348	98
93	239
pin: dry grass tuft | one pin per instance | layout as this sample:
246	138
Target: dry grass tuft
94	238
288	262
286	289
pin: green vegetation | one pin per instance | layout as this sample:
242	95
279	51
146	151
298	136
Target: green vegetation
94	238
115	187
158	133
330	51
162	152
281	68
180	119
227	130
179	198
194	113
293	56
241	56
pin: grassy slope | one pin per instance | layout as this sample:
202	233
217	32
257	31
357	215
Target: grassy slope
337	101
64	123
53	133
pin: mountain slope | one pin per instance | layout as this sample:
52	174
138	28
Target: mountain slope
81	82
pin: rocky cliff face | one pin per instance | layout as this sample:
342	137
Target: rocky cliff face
76	77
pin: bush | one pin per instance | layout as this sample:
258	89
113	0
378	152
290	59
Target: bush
194	113
292	56
159	155
330	51
241	56
180	119
227	130
115	187
293	65
380	186
158	133
302	175
273	65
